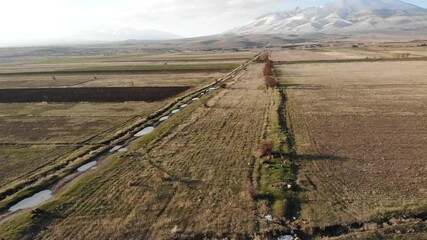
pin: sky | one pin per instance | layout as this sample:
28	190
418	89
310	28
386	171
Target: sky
43	21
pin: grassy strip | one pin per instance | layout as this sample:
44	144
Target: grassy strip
353	60
276	172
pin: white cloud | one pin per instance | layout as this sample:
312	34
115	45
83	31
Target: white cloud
29	20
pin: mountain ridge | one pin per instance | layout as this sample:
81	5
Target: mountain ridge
342	16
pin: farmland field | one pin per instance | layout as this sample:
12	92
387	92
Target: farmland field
39	137
337	54
336	151
360	139
191	183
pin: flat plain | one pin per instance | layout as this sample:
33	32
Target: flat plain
37	137
345	132
191	182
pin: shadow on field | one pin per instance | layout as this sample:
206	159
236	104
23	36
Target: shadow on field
168	176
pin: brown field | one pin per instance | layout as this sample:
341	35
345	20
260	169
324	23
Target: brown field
68	123
360	138
336	151
19	160
154	59
299	55
90	94
193	180
331	54
111	80
39	137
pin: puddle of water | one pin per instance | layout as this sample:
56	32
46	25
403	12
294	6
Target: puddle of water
163	119
184	105
175	111
195	99
32	201
286	237
87	166
144	131
114	149
123	149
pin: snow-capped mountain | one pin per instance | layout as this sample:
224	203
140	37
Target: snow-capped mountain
342	16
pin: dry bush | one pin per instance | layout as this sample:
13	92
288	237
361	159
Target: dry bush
223	85
263	57
161	175
268	68
268	71
266	148
270	81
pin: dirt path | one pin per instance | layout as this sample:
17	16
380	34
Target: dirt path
192	183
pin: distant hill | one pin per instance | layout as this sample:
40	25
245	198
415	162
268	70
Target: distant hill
125	34
342	17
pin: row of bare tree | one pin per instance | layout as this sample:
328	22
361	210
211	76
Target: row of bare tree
270	80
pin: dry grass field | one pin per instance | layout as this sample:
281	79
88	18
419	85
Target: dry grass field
126	70
111	80
191	183
149	59
336	151
336	54
360	139
37	138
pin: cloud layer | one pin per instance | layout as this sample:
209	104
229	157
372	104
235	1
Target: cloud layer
23	21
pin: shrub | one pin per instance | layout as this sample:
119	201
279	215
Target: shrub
263	57
270	81
268	71
266	148
268	68
223	85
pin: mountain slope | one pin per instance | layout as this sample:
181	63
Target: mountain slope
343	16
